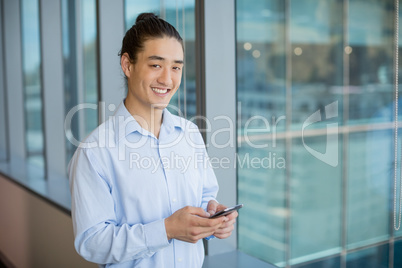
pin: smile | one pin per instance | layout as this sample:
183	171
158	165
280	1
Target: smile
160	91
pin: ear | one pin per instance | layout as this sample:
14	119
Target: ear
125	63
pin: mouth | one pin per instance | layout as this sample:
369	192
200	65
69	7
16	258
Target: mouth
160	91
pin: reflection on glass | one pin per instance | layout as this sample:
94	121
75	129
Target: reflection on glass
369	187
316	201
70	66
316	58
334	262
181	14
375	257
316	67
398	233
80	66
397	255
370	35
261	186
261	100
90	61
328	75
31	64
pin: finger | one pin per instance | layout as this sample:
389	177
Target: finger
223	233
223	236
205	227
227	224
212	207
210	224
198	211
232	215
220	207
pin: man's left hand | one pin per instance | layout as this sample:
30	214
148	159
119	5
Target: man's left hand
227	227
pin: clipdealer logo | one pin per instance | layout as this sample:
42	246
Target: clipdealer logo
330	156
250	136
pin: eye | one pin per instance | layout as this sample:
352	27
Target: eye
177	68
155	66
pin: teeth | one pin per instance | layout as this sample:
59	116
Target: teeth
160	91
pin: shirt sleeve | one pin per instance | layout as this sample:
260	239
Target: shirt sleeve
210	183
99	237
210	187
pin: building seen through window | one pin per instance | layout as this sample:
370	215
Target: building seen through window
321	81
31	64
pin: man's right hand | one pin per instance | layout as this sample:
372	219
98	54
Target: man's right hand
191	224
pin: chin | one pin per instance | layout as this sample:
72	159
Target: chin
160	106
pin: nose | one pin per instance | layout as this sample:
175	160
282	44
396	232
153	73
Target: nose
165	77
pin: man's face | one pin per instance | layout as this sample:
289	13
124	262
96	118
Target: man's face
156	75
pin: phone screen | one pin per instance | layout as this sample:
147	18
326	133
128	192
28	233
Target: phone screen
226	211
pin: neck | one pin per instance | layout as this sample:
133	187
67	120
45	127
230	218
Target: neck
149	119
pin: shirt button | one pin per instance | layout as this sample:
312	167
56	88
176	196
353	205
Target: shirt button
179	259
174	200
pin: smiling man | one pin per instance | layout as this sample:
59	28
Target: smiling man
143	215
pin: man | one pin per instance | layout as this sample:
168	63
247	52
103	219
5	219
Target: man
141	183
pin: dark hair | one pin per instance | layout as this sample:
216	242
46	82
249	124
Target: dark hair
147	26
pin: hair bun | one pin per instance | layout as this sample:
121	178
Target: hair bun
145	16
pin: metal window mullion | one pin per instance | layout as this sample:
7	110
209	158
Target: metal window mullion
184	77
4	145
200	64
288	139
220	80
185	69
110	34
13	82
80	68
392	231
345	135
52	86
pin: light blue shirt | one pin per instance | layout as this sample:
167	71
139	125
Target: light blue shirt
124	182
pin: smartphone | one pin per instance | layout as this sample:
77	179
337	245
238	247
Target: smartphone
226	211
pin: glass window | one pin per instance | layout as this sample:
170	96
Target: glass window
370	59
315	167
387	112
316	65
80	56
261	97
315	87
397	255
369	187
327	263
31	64
316	201
374	257
370	97
180	14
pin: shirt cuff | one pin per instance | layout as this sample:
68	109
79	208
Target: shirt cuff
155	235
209	237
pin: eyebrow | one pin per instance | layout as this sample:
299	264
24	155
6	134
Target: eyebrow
155	57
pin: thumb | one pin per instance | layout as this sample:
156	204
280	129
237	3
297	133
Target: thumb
199	212
212	207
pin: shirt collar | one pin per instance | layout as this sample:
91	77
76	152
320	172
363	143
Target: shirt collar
170	122
125	123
